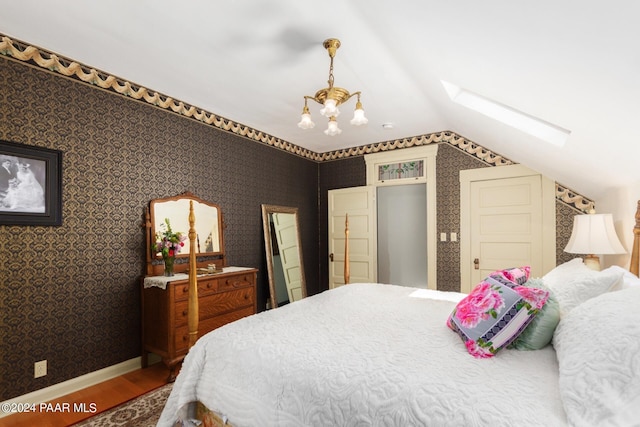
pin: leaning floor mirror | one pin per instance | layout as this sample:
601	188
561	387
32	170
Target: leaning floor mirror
284	254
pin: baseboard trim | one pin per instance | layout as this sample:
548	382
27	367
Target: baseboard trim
61	389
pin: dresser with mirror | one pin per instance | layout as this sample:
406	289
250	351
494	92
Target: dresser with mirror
224	293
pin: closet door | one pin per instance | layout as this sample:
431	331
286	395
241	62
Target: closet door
506	225
359	204
507	219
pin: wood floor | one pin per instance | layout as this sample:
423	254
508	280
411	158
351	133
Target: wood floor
105	396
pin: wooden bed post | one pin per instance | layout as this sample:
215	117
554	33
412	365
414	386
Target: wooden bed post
346	249
635	253
193	280
150	238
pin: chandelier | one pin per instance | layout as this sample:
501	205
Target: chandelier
331	97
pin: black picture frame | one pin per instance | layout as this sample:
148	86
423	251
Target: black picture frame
30	185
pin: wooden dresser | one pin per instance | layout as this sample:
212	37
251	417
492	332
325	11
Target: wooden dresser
222	297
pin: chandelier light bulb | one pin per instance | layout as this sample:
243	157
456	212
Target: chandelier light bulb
358	116
333	128
305	119
305	122
330	108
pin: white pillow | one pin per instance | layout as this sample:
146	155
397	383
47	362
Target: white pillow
573	283
598	350
628	280
565	271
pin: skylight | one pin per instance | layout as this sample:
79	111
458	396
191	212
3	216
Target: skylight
524	122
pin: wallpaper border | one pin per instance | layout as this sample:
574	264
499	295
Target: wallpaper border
42	58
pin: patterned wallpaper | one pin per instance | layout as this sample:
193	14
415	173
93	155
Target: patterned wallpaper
449	163
564	226
70	294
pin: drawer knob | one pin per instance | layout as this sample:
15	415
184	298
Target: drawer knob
184	312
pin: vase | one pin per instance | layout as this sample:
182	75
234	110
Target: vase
168	265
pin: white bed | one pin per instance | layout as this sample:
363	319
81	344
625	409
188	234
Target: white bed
383	355
362	354
368	354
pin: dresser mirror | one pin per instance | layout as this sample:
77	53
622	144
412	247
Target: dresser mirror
284	254
208	225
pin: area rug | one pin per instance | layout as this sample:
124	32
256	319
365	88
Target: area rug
143	411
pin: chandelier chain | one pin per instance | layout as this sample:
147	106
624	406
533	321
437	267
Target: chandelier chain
330	81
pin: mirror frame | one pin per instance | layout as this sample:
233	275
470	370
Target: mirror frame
152	227
266	211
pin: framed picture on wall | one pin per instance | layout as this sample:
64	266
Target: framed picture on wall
30	185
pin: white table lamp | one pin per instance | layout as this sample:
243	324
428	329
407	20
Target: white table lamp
594	235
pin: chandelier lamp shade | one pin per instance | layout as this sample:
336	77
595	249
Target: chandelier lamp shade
593	235
331	98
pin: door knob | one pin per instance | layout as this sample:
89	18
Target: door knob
476	264
331	257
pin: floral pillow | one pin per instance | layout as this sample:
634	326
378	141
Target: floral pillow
540	331
496	311
518	275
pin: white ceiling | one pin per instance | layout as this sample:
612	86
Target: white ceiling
574	63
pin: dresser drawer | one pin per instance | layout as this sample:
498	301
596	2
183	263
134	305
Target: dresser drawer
236	281
213	305
206	286
207	325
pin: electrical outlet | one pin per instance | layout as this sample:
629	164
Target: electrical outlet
40	369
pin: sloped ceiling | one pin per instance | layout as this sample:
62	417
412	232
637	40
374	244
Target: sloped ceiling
572	63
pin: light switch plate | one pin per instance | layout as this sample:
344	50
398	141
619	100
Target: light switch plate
40	369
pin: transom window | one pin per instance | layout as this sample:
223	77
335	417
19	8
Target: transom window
401	170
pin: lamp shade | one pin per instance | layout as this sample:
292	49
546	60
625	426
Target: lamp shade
330	108
333	129
305	122
359	118
594	234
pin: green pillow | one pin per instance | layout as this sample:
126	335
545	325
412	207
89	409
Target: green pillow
540	331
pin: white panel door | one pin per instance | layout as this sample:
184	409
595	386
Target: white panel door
287	238
507	219
359	204
506	225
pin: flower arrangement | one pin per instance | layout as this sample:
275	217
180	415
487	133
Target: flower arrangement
167	242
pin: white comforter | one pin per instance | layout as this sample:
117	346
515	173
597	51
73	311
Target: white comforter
363	355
